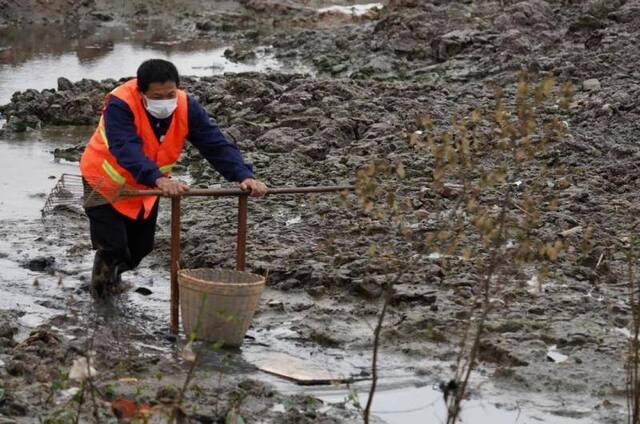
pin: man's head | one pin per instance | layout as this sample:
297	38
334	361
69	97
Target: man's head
158	79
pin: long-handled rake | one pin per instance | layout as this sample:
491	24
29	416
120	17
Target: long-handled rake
71	190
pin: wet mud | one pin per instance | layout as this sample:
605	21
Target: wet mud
553	351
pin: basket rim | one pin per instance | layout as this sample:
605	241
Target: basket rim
184	274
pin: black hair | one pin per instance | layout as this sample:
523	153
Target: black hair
156	70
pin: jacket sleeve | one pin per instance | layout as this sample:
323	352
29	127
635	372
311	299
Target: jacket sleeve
224	156
125	144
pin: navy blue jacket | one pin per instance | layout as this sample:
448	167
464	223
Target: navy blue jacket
126	146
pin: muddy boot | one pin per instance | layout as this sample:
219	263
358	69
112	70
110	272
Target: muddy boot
101	275
116	285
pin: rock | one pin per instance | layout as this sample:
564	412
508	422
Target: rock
143	291
338	68
167	394
101	16
628	13
602	8
13	405
40	264
496	352
524	14
17	368
271	6
367	289
377	65
64	84
404	42
239	54
205	26
316	291
537	310
450	44
413	293
279	140
591	85
71	153
7	330
587	22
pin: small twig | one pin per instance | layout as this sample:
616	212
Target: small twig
376	345
600	260
522	209
374	363
454	412
192	368
80	403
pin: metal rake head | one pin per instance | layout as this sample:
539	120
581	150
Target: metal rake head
73	192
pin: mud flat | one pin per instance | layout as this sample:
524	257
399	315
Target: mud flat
369	76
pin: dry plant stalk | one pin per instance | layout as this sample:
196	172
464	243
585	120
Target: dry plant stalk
490	189
494	155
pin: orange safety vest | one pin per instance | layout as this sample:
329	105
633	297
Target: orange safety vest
101	169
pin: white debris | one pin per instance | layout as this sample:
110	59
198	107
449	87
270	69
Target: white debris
534	285
555	356
293	221
624	331
187	352
355	10
80	370
278	407
65	395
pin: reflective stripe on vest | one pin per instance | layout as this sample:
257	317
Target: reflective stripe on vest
166	169
113	173
103	132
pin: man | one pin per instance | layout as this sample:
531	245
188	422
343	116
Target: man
139	138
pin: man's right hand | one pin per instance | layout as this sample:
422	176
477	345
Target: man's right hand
171	187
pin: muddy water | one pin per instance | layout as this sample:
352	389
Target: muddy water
116	56
411	402
30	171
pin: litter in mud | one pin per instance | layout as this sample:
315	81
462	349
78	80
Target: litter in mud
554	355
64	396
82	369
354	10
304	373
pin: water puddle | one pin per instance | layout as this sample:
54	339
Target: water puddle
406	399
420	404
30	171
122	60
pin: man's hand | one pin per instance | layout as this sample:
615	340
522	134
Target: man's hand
257	188
171	187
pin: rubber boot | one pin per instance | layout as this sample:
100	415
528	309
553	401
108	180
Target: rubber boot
101	275
116	286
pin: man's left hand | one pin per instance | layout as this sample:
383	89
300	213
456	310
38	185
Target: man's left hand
257	188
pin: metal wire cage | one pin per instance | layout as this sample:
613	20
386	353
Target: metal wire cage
73	192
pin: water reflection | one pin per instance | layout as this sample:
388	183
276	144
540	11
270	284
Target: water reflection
20	44
37	59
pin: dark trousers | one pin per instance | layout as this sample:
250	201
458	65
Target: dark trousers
119	239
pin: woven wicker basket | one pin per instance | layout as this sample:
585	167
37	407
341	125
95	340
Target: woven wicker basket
218	304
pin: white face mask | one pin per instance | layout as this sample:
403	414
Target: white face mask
161	109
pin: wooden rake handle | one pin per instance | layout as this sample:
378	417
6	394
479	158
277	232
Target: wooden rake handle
221	192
